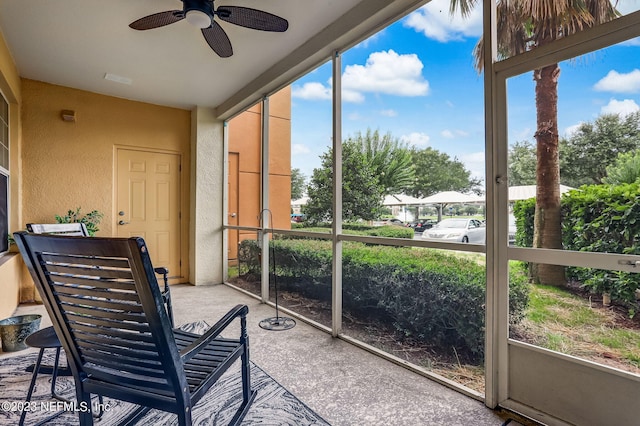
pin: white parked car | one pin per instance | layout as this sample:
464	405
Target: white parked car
457	230
512	230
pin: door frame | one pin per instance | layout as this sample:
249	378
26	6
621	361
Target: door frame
550	387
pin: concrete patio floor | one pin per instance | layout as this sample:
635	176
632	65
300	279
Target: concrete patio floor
341	382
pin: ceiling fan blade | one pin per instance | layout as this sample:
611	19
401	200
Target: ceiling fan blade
218	40
252	18
157	20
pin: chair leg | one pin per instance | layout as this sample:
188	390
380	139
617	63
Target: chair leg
134	416
247	394
55	377
32	385
84	416
246	373
54	371
100	412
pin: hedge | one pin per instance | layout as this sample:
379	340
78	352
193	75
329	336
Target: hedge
595	218
434	297
389	231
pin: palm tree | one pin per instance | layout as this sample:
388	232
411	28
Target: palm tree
389	158
523	25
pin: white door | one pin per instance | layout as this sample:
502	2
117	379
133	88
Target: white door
148	204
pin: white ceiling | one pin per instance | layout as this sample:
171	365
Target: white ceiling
75	43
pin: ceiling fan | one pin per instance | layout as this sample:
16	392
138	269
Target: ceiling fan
201	13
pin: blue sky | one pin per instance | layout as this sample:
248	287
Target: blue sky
415	80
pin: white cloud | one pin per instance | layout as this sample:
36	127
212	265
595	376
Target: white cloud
624	107
298	148
449	134
389	73
435	22
524	134
352	96
389	113
312	91
384	72
365	43
474	162
416	139
619	83
571	130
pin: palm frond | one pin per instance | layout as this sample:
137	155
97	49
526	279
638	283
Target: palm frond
523	25
465	6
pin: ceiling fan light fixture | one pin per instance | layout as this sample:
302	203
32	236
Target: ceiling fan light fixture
198	18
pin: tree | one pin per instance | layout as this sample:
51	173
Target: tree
522	164
389	159
436	172
626	169
585	156
361	192
297	184
524	25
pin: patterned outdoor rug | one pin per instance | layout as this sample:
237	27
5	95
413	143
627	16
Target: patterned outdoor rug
273	405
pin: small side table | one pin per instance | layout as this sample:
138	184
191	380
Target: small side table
48	339
44	339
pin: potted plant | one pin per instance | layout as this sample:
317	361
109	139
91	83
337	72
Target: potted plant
91	219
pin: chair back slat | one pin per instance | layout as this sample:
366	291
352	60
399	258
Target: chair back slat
69	300
97	292
150	363
136	350
95	261
127	380
109	323
87	270
99	283
105	313
133	370
78	229
111	319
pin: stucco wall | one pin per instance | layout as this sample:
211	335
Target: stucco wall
71	164
11	270
68	165
244	138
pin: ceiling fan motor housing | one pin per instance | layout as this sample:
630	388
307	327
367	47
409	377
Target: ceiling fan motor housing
204	6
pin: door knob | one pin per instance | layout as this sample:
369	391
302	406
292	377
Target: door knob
233	214
122	222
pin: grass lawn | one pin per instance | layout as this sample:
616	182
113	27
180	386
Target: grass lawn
559	320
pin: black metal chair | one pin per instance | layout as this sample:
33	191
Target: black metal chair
106	307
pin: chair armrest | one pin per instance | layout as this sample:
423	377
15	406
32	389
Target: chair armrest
239	311
161	270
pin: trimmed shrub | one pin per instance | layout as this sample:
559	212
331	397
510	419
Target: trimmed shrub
524	212
389	231
596	218
431	296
